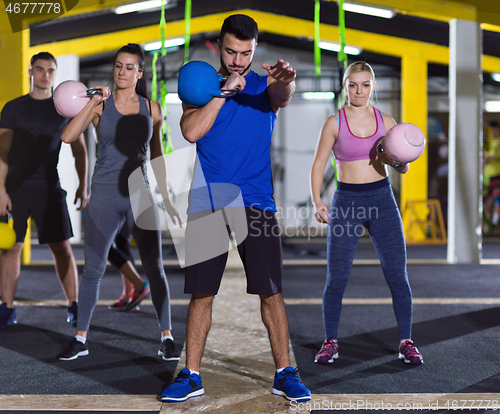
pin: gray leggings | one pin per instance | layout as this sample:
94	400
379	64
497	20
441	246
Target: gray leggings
107	210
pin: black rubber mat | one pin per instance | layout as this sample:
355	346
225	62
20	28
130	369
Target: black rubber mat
456	340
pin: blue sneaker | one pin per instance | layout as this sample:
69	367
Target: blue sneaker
7	316
72	314
288	384
185	385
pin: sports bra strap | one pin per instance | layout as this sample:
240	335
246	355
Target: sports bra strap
338	120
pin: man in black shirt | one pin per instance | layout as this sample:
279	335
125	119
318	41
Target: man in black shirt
30	141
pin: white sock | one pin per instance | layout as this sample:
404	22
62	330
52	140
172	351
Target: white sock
167	337
81	339
194	372
280	369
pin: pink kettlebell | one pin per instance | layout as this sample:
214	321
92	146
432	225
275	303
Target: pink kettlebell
70	97
404	142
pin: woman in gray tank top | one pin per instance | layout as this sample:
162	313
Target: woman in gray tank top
127	123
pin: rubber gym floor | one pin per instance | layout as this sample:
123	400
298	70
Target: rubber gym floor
456	326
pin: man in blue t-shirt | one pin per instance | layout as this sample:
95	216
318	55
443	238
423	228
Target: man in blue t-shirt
30	141
233	139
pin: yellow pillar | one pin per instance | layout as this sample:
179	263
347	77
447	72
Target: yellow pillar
414	110
13	74
14	82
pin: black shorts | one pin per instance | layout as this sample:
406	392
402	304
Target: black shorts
260	252
49	210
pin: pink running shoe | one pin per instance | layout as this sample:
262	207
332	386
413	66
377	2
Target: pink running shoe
121	305
138	296
328	352
408	352
118	305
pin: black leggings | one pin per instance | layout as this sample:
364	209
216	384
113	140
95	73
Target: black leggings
119	252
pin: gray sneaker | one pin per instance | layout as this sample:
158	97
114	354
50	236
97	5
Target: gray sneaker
168	351
74	349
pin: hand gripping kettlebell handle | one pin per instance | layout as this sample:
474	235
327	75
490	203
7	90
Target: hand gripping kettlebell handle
226	93
95	91
381	150
8	213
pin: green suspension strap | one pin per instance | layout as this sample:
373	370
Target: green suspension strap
317	50
154	80
342	59
187	30
342	56
165	132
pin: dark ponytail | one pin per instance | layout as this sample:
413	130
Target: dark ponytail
141	88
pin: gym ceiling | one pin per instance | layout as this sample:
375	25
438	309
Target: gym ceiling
92	29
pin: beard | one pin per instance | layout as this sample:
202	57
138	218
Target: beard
229	71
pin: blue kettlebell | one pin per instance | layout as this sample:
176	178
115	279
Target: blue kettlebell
199	82
7	233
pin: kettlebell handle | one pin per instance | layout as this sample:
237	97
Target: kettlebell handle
381	150
226	93
89	93
95	91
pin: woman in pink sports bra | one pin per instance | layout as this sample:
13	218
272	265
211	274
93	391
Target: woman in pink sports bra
363	201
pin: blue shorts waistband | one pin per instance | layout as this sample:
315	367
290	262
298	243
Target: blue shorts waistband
364	187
